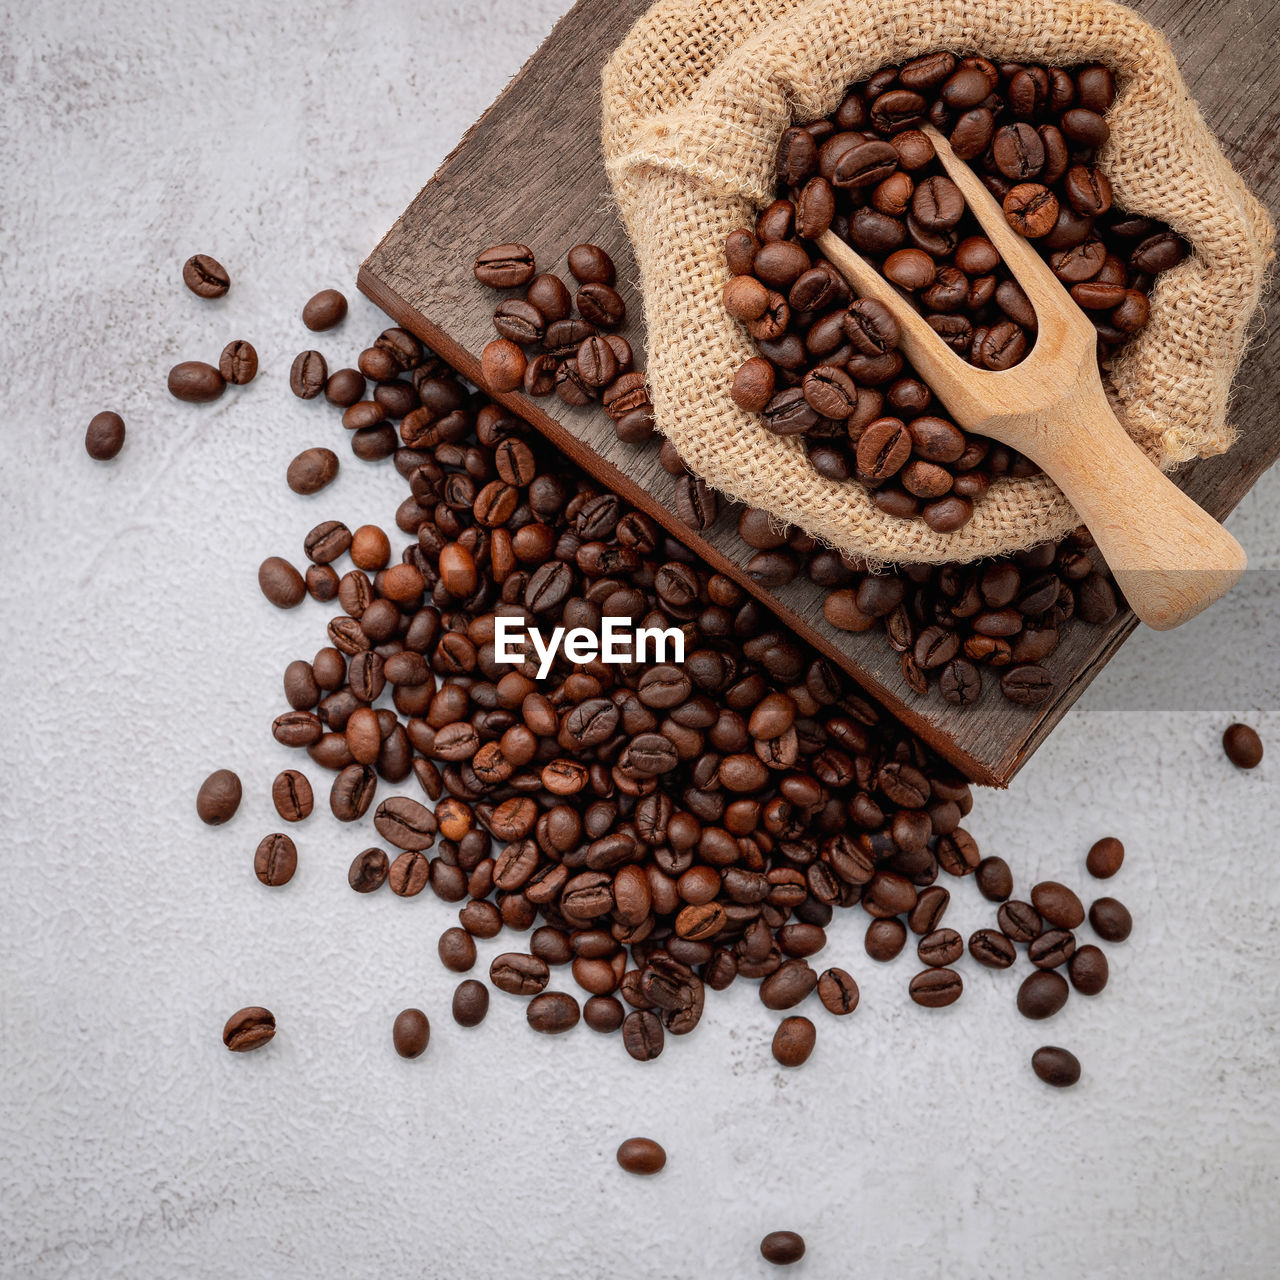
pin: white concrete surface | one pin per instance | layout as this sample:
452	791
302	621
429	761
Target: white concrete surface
283	138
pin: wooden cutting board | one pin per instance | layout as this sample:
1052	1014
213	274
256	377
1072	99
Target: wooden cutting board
530	170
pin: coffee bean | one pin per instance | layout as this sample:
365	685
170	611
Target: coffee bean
291	794
206	277
503	365
308	375
696	504
238	363
409	874
601	305
1019	921
281	583
885	939
590	264
104	437
405	823
470	1003
936	988
352	792
1058	1067
782	1248
793	1041
642	1035
992	949
520	975
1052	948
642	1156
195	382
838	991
1242	745
275	860
1042	994
312	470
248	1029
368	870
994	879
1031	209
941	947
1057	904
324	310
552	1013
1110	919
505	266
218	797
410	1033
1088	970
1105	858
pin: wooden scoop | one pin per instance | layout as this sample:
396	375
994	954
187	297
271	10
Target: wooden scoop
1170	558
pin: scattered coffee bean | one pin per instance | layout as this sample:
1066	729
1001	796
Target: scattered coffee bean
470	1003
1110	919
312	470
1088	970
218	797
885	939
206	277
457	950
505	266
1243	746
782	1248
1105	858
1057	905
992	949
642	1156
603	1014
994	879
368	870
238	363
519	975
105	436
552	1013
1042	994
793	1041
1058	1067
248	1029
195	382
838	991
324	310
281	583
410	1033
275	860
936	988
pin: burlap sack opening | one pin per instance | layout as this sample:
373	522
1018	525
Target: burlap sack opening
695	100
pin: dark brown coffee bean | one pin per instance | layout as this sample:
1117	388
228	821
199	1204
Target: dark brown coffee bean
793	1041
1105	858
552	1013
248	1029
1028	685
352	792
409	874
281	583
368	870
1089	970
883	449
206	277
1057	1067
590	264
1042	994
405	823
1057	904
992	949
782	1248
1110	919
994	879
642	1156
1052	948
410	1033
324	310
1031	209
1243	746
936	988
505	266
312	470
195	382
104	437
1019	921
601	305
696	504
470	1003
838	992
927	914
518	974
292	796
642	1035
603	1014
238	363
941	947
885	939
218	797
276	860
308	375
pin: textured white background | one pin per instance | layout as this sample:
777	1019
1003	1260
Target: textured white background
284	138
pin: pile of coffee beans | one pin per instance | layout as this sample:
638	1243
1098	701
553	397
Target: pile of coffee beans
829	368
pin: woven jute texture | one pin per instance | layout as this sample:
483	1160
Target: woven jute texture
695	100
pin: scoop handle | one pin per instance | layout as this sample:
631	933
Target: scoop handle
1170	557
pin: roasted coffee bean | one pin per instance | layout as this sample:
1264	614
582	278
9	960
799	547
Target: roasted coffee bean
505	266
642	1035
936	988
885	938
1042	994
1105	858
1110	919
994	879
992	949
927	914
1027	685
1052	948
520	975
276	860
782	1248
941	947
1243	746
696	504
1019	921
104	437
1057	1067
552	1013
206	277
590	264
195	382
248	1029
291	794
308	375
409	874
470	1003
312	470
352	792
368	870
410	1033
793	1041
1089	970
838	991
324	310
603	1014
238	363
281	583
218	797
1057	905
642	1156
405	823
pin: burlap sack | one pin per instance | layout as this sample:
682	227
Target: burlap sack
695	100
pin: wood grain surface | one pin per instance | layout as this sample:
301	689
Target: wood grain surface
530	170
